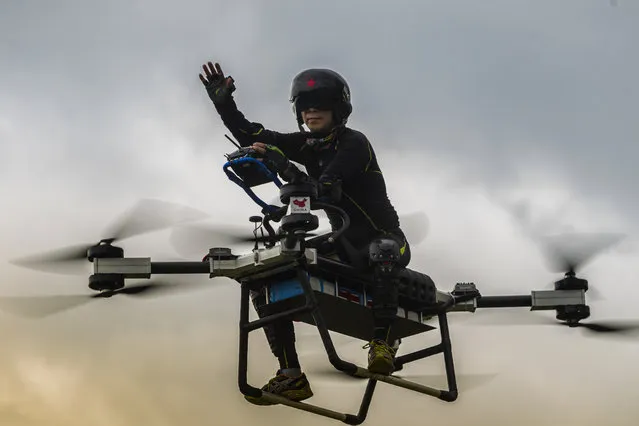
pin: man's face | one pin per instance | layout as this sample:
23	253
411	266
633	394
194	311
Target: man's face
317	120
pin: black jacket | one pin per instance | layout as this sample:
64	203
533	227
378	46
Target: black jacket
349	157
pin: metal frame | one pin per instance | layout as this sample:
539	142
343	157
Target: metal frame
312	307
268	261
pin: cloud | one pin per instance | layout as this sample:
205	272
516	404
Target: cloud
475	111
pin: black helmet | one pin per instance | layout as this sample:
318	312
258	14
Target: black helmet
322	89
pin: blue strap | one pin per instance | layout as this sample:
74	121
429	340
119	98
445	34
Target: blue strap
234	178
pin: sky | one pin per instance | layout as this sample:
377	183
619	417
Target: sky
502	121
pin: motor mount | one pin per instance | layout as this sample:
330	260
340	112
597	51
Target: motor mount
104	250
572	314
466	290
221	253
106	282
571	282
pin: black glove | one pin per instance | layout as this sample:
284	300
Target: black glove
275	160
217	86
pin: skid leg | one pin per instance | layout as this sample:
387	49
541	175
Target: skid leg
445	348
449	363
247	326
245	388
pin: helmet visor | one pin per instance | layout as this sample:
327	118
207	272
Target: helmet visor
317	99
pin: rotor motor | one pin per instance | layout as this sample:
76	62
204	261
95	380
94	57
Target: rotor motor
105	282
104	250
572	314
571	282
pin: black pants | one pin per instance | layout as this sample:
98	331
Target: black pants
385	292
281	334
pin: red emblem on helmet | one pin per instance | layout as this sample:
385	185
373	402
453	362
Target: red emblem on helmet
310	82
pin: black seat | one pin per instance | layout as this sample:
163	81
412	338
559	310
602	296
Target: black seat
416	290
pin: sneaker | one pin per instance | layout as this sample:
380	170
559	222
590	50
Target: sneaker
380	357
293	388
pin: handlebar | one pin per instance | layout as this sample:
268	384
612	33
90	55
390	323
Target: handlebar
247	171
346	220
273	215
250	177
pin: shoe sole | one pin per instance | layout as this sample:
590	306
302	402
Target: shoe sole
297	396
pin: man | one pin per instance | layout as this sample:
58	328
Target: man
345	166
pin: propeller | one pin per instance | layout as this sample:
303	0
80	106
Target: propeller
146	216
190	240
415	225
629	328
43	306
570	251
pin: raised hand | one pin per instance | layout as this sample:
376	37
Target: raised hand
217	85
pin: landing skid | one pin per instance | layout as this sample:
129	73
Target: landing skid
312	307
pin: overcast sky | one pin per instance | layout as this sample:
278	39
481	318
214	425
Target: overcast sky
501	120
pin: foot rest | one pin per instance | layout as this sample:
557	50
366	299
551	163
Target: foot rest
276	399
406	384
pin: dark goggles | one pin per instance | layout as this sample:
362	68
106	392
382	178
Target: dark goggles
319	101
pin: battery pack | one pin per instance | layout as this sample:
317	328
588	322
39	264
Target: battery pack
291	287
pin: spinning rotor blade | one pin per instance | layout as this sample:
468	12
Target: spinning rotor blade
628	328
146	216
151	215
415	225
66	260
43	306
568	252
189	240
196	240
